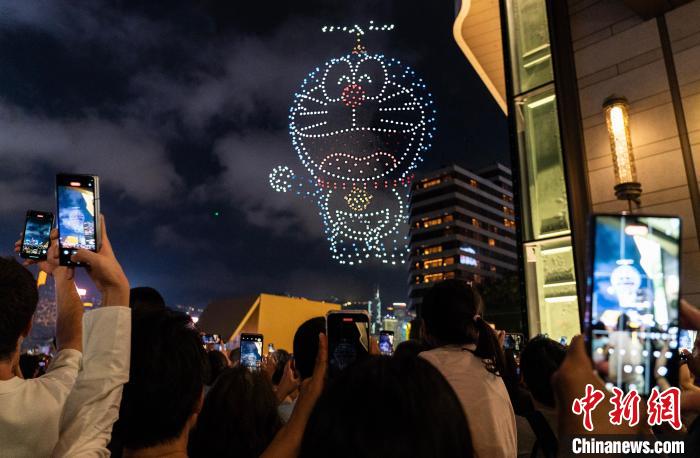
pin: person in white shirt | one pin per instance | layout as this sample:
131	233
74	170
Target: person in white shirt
468	354
70	410
30	409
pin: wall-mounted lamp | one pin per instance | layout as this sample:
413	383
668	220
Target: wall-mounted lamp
617	119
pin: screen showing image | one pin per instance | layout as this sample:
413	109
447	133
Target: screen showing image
37	236
348	340
251	352
634	300
386	344
76	217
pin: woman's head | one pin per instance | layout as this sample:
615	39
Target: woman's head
217	363
388	407
239	416
541	358
451	312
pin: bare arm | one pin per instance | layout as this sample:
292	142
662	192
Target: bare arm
69	320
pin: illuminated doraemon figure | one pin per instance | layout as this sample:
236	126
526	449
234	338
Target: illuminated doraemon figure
359	124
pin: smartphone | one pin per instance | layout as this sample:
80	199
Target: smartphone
514	341
251	351
386	343
210	339
36	237
348	339
631	317
78	203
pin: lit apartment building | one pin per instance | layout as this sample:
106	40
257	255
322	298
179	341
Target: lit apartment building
462	226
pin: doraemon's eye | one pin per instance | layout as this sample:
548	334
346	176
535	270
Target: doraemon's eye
338	75
371	75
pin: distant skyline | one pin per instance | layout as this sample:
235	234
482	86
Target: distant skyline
182	111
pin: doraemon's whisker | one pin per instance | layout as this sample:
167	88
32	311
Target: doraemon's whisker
308	97
312	126
409	108
312	113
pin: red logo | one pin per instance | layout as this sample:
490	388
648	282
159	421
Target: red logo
624	407
665	407
587	404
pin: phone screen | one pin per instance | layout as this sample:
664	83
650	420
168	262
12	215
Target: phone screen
348	339
77	212
386	343
633	310
36	238
251	351
210	339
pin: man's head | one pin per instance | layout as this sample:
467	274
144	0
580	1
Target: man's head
449	311
145	298
18	299
540	358
165	380
306	345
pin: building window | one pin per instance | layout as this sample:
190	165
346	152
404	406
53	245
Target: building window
468	261
448	261
430	183
432	277
473	183
449	275
432	249
508	223
432	263
493	268
448	218
432	222
492	242
475	222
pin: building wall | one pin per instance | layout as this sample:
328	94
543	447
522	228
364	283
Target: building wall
616	52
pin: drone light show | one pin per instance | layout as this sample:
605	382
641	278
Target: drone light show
359	124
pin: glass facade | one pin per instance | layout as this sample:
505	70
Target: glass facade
549	264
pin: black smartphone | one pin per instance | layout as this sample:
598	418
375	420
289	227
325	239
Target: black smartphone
78	203
251	351
348	339
631	318
386	342
36	237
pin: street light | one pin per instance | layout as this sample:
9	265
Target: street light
617	119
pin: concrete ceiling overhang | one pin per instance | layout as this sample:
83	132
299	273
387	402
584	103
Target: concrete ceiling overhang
477	31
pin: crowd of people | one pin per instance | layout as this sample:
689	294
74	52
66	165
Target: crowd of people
132	378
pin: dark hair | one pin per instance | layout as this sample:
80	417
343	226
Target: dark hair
420	413
451	312
18	299
239	417
540	358
29	365
306	345
217	363
410	348
145	298
281	358
235	356
165	379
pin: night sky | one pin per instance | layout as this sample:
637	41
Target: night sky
181	108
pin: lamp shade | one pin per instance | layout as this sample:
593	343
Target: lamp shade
617	120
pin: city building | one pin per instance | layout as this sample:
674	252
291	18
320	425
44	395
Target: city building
275	317
552	65
461	226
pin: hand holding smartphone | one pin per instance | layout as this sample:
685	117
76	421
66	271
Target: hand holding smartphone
78	204
386	342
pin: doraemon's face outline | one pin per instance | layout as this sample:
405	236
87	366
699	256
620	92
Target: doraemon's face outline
332	109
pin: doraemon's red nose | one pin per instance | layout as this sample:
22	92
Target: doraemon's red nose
353	95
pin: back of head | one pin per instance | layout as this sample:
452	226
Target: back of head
145	298
306	345
217	363
281	358
165	379
239	416
540	358
416	413
235	356
451	312
18	299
